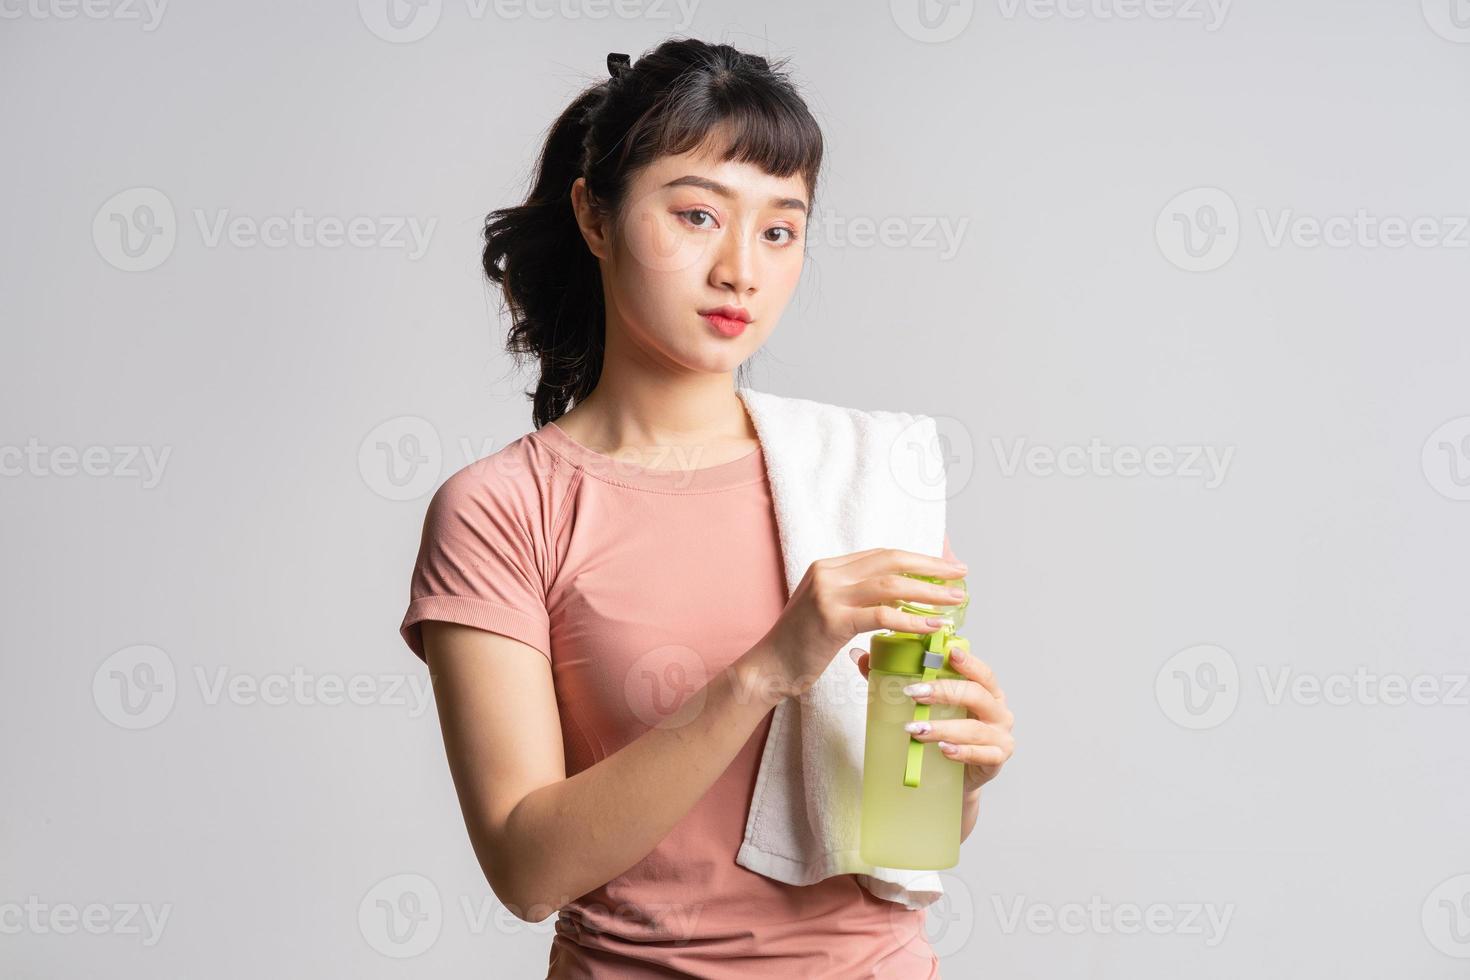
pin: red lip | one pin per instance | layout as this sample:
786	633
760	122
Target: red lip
725	326
728	312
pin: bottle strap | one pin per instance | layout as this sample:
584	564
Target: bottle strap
935	654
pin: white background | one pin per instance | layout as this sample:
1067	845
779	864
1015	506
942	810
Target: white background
1141	625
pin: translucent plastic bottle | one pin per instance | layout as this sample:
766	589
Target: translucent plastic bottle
912	794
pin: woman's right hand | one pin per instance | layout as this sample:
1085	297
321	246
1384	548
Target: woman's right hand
840	597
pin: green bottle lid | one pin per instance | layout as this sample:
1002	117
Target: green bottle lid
903	653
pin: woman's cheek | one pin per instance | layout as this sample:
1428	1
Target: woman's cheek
660	245
786	272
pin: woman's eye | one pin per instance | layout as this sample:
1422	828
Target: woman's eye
704	218
688	216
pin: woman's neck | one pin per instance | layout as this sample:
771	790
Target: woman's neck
709	420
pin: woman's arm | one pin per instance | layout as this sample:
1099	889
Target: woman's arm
542	838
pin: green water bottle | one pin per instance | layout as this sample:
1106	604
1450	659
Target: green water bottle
912	794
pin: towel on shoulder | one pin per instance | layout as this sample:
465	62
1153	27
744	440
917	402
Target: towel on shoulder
842	480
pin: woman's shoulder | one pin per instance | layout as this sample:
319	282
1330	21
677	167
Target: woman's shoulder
516	483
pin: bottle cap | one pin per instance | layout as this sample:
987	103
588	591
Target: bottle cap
904	653
953	614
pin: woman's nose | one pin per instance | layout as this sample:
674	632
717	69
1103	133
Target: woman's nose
735	263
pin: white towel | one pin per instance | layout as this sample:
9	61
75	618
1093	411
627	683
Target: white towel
842	480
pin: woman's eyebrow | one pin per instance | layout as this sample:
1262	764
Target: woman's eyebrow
715	187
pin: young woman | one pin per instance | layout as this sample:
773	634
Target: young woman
602	603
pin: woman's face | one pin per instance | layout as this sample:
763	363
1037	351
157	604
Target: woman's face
697	234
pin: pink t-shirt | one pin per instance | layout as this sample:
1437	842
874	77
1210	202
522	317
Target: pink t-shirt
638	585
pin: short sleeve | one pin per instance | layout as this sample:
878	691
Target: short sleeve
477	563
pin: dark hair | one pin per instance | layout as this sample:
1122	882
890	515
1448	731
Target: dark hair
671	101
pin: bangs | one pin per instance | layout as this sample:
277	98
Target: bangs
743	123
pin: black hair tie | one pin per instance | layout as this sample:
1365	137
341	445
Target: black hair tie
618	64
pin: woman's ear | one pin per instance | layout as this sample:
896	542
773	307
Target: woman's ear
590	220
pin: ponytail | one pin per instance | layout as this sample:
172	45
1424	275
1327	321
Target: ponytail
551	282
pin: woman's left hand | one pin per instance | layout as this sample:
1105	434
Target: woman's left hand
983	739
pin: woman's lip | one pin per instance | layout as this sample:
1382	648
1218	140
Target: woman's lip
733	312
726	326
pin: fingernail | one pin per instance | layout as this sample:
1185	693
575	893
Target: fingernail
956	654
916	727
934	621
946	746
919	690
957	593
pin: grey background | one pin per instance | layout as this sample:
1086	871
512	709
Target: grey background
1331	835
